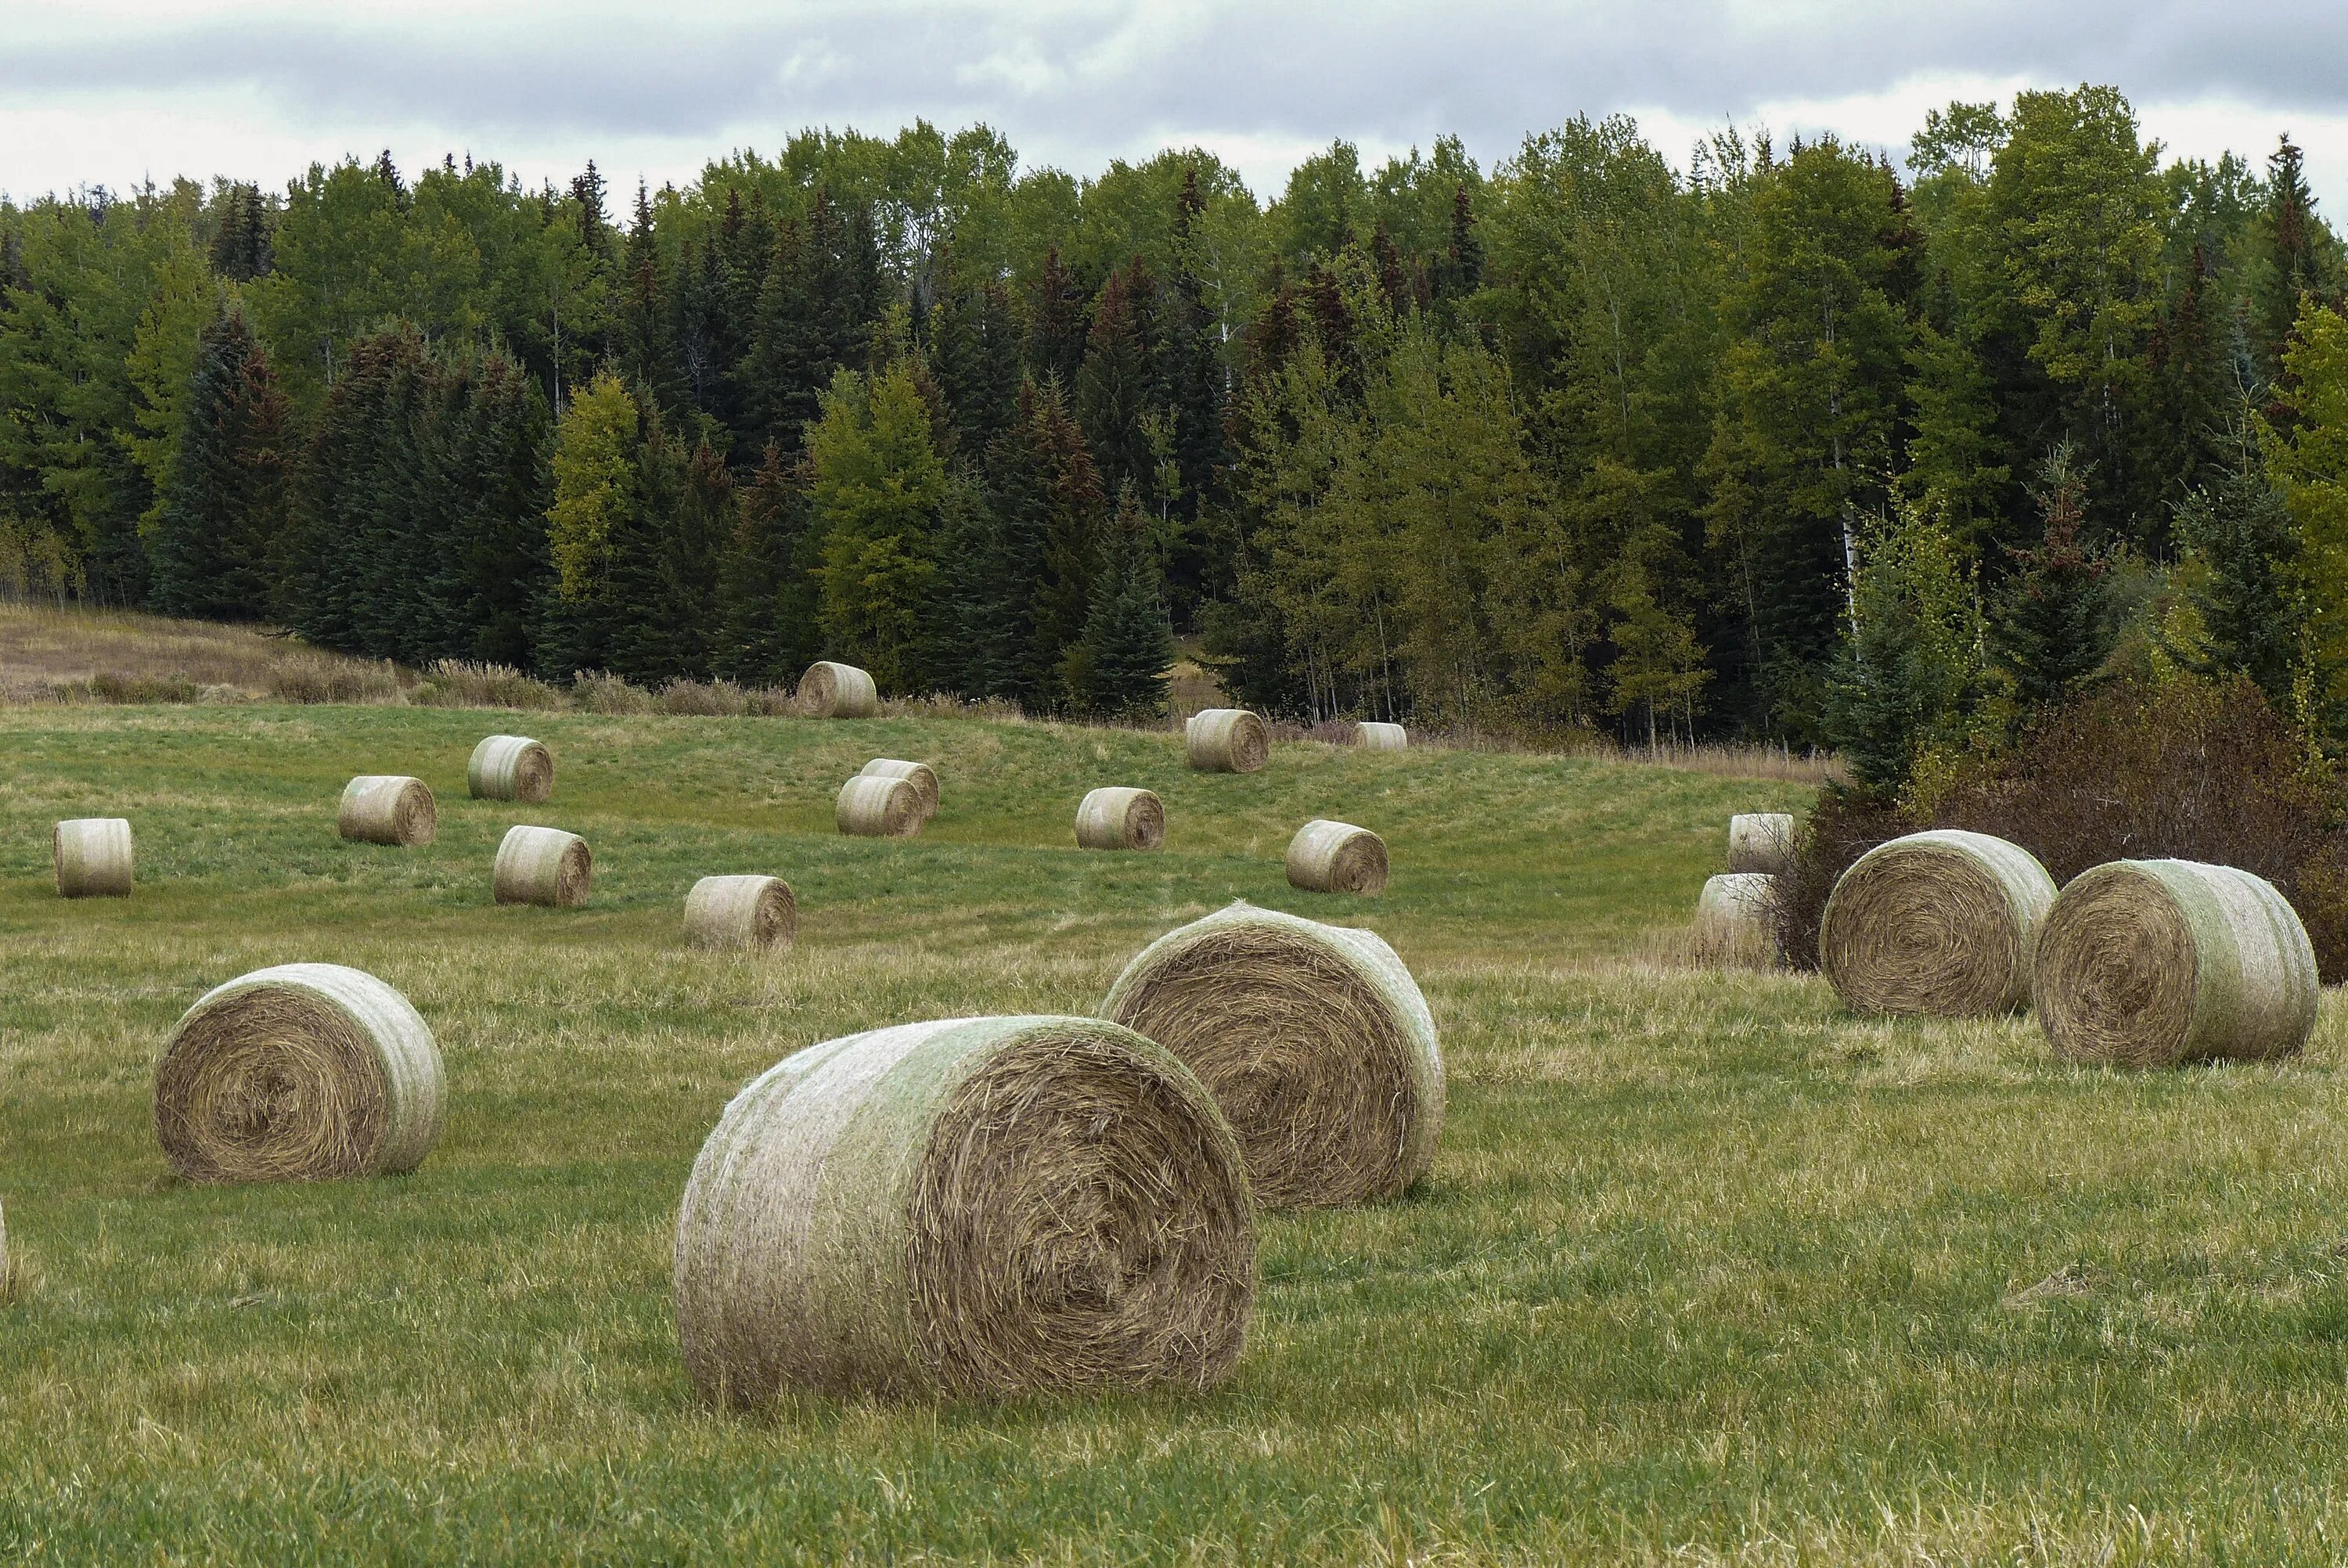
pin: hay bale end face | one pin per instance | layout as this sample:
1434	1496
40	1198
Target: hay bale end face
1761	842
2155	963
973	1208
1943	923
387	808
1117	817
1314	1040
1375	737
878	808
511	767
1736	918
90	857
830	691
1226	740
305	1073
1336	857
541	866
920	775
754	912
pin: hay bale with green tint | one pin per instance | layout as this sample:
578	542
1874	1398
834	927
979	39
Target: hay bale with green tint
511	767
1117	817
387	808
543	865
1336	857
89	857
1762	841
1736	920
830	691
1371	736
920	775
878	808
971	1208
305	1073
1313	1038
757	913
2153	963
1943	923
1226	740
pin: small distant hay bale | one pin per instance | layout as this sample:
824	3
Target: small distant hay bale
920	775
971	1208
387	808
541	866
1371	736
1761	840
305	1073
754	912
1736	918
1943	923
1336	857
1313	1038
511	767
90	857
872	807
2153	963
1226	740
830	691
1117	817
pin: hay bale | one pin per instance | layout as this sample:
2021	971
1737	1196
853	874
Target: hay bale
1375	737
90	857
975	1207
1736	918
1336	857
1117	817
1314	1039
2152	963
541	866
920	775
1944	922
511	767
830	691
387	808
755	912
872	807
1762	841
1226	740
305	1073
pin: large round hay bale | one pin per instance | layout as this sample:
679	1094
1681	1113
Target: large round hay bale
1336	857
879	807
920	775
305	1073
2151	963
1117	817
1736	918
1226	740
1944	922
387	808
1314	1040
1761	840
1371	736
511	767
90	857
975	1207
541	866
830	691
755	912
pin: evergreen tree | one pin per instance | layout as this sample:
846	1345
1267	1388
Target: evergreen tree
2289	266
1119	384
1058	324
974	355
1118	668
1901	683
765	596
216	545
240	248
2243	546
2050	633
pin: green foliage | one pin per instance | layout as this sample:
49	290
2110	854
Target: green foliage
2050	630
876	490
1914	658
1118	667
2243	557
216	545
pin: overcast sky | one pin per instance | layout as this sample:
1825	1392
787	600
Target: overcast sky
111	92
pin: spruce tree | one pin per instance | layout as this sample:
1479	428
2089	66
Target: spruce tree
766	598
699	530
217	547
1118	667
1119	384
2244	548
2050	633
974	356
2288	265
1057	323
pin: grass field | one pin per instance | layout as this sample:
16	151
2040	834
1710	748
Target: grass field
1705	1271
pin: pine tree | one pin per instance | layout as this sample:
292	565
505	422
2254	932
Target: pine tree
647	328
217	546
2289	266
2050	634
1119	384
1901	682
239	250
1058	323
2243	546
974	355
1118	669
1460	271
765	595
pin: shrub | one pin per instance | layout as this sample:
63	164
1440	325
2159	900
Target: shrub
596	692
455	684
318	678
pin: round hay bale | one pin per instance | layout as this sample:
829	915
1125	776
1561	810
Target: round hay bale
755	912
1371	736
1762	841
2151	963
1736	915
920	775
830	691
387	808
1314	1039
1336	857
511	767
872	807
305	1073
90	857
541	866
975	1207
1117	817
1226	740
1944	922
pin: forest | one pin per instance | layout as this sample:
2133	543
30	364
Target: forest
1781	442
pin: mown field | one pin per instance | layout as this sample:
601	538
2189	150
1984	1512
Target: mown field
1706	1270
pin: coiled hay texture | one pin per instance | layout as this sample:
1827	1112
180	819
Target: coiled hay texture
90	857
879	807
2150	963
830	691
386	808
1761	840
1226	740
541	866
975	1207
1371	736
306	1072
1117	817
1336	857
1944	922
511	767
1314	1039
920	775
754	912
1736	918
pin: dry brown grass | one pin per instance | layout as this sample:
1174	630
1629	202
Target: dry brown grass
50	655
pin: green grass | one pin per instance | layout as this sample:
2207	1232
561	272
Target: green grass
1706	1270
